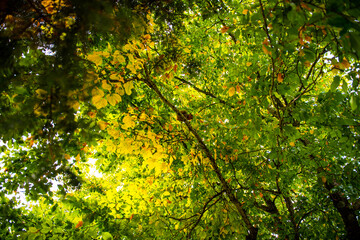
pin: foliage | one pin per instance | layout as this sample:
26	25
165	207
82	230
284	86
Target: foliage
205	119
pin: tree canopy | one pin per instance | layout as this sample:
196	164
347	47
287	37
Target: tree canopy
176	119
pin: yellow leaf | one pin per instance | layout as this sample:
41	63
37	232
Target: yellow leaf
120	90
118	57
95	58
280	78
104	54
41	92
292	144
110	146
128	86
231	91
97	92
245	11
114	99
323	179
311	131
248	64
67	156
74	104
99	101
102	125
187	50
105	85
345	63
238	89
128	122
116	77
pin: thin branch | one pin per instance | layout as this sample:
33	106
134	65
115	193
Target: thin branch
203	91
205	208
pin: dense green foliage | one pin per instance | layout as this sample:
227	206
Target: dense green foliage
180	119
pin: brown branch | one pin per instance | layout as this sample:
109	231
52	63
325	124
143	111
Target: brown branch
252	231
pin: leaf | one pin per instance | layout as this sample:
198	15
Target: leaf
280	78
115	77
33	230
266	50
128	86
224	29
107	236
231	91
102	125
95	58
335	83
99	101
97	92
105	85
292	144
80	223
353	103
114	99
344	86
345	63
128	122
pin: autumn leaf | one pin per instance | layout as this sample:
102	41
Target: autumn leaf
280	78
120	90
231	91
99	101
323	179
114	99
128	122
95	58
345	63
128	86
80	223
97	92
102	125
292	144
105	85
224	29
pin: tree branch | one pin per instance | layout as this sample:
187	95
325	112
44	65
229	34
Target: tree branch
252	231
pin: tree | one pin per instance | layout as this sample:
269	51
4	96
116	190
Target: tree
211	120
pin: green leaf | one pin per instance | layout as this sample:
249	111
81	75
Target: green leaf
344	86
106	236
335	83
353	103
